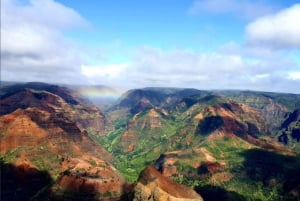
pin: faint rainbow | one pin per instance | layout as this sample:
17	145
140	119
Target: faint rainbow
100	93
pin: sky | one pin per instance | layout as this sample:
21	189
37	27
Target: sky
204	44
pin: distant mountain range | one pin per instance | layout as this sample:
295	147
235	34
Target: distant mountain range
92	143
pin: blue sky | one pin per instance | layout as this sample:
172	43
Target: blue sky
205	44
162	24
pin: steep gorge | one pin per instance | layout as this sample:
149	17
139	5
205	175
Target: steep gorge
201	139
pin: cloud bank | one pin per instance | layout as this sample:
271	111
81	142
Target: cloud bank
278	31
34	46
216	70
264	62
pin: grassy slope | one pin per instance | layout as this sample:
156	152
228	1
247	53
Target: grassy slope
250	173
151	143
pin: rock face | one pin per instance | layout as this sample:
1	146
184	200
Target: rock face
148	120
271	105
58	101
155	187
128	141
232	118
89	177
274	114
291	128
236	119
52	124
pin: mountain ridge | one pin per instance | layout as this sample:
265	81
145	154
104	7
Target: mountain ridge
44	131
198	138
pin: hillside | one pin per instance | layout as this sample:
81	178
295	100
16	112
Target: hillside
154	186
203	138
228	145
45	148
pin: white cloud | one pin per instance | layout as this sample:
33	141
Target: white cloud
241	8
277	31
33	46
105	71
39	12
294	75
182	63
236	69
182	68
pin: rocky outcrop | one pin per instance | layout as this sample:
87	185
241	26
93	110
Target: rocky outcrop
90	177
155	187
175	163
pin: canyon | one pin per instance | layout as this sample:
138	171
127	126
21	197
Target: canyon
150	144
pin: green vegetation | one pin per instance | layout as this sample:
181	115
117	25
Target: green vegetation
149	144
151	122
109	141
255	174
11	155
236	159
